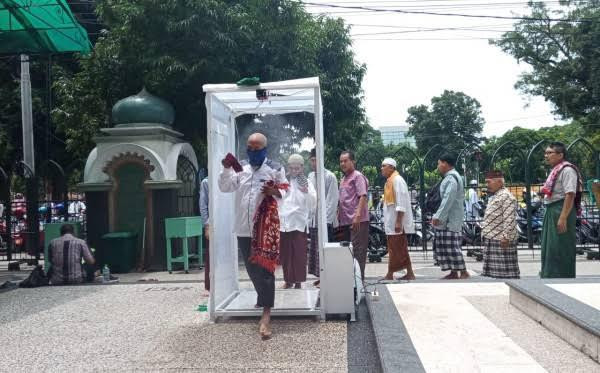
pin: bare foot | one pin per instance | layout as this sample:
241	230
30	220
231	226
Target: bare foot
265	330
464	275
451	276
389	277
286	286
408	277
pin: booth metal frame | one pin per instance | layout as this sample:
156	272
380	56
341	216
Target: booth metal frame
224	103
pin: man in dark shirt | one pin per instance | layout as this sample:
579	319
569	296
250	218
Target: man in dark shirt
65	257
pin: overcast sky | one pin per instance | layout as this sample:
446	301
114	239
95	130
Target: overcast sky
408	63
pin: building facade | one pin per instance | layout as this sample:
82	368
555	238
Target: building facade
396	135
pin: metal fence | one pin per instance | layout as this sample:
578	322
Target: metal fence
525	172
30	201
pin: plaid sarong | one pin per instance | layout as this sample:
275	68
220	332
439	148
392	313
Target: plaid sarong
448	250
499	262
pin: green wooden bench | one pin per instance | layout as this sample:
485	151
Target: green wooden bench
184	228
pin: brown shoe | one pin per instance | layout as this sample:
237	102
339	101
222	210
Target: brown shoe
464	275
298	285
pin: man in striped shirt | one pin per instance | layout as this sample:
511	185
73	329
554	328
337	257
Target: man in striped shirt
65	257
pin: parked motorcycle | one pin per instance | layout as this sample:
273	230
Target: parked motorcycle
416	239
471	231
536	225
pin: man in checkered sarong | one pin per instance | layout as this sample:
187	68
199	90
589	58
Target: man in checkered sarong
448	220
499	232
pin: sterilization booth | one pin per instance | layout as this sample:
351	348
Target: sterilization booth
289	113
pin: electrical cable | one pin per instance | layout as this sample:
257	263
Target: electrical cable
524	18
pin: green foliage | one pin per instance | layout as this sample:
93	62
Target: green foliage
174	47
519	141
453	119
564	57
371	173
47	143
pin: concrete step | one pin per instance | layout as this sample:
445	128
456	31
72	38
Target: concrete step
568	308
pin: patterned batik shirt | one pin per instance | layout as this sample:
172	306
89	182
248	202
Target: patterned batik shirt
65	257
500	220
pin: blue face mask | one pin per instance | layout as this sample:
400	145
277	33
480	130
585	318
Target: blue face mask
257	157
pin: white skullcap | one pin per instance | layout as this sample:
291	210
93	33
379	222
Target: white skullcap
296	159
389	161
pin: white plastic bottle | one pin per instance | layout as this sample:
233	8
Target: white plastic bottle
105	273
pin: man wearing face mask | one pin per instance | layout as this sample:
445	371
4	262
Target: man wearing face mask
251	187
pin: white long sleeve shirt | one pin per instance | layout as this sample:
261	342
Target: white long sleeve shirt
390	212
296	207
332	196
247	185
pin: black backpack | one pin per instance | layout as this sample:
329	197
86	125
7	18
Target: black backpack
36	278
434	197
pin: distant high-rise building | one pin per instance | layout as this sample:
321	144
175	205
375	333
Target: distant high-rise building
396	135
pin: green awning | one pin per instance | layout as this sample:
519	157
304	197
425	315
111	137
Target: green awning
40	26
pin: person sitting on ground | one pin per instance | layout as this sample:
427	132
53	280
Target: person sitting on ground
65	255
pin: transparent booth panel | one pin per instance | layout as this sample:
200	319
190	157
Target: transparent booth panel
290	127
223	248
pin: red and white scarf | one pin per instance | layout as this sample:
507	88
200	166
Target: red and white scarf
548	187
265	232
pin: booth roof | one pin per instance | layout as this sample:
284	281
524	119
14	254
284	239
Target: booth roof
285	96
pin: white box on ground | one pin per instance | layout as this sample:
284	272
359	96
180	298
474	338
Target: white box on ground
338	280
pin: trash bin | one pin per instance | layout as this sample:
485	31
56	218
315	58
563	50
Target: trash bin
118	250
52	231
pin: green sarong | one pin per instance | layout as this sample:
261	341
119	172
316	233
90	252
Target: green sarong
558	250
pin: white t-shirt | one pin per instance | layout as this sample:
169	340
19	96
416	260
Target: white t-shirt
390	212
565	183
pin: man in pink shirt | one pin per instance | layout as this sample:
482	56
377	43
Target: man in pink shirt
353	212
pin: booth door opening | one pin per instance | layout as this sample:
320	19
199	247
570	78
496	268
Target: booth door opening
287	134
130	200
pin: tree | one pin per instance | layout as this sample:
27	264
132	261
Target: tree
453	119
47	143
174	47
563	55
511	158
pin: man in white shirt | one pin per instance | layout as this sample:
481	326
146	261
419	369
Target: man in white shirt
294	211
471	202
331	205
251	187
397	219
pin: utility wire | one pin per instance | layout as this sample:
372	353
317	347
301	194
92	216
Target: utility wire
370	9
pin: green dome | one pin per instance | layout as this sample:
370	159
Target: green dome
143	108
